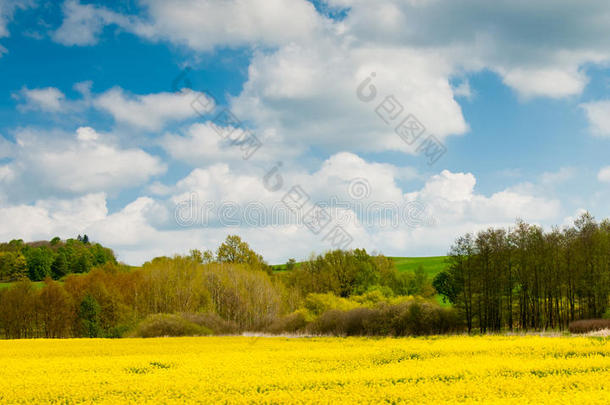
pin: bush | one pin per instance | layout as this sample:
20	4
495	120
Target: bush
410	318
330	322
292	323
168	325
213	322
589	325
317	304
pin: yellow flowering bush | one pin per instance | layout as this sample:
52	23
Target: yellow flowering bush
490	369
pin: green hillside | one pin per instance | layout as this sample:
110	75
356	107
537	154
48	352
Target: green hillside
431	265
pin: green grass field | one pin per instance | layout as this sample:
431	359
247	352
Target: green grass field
431	265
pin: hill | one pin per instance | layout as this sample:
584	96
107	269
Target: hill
431	265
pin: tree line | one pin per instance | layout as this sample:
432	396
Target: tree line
526	278
55	258
226	291
499	279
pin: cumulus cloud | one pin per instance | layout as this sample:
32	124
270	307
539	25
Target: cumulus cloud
598	114
448	199
83	163
549	82
306	67
152	111
309	96
202	144
453	200
52	100
206	24
148	227
538	48
51	217
47	99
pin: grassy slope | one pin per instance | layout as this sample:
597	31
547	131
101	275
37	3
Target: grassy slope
431	265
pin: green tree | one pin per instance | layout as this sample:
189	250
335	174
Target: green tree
89	312
59	268
55	310
83	264
234	250
6	263
291	264
19	268
196	255
39	261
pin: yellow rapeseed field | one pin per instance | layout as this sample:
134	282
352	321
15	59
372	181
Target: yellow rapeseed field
553	370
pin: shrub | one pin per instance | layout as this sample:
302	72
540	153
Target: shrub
330	322
292	323
168	325
317	304
589	325
410	318
212	322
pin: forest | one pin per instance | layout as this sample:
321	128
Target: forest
521	278
55	258
526	278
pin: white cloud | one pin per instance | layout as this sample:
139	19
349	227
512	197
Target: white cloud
152	111
306	68
54	163
148	111
538	48
452	200
308	96
48	218
82	24
598	114
202	145
52	100
6	148
463	89
205	24
48	99
199	24
604	175
147	227
549	82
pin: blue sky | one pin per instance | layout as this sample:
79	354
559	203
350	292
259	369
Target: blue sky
96	139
